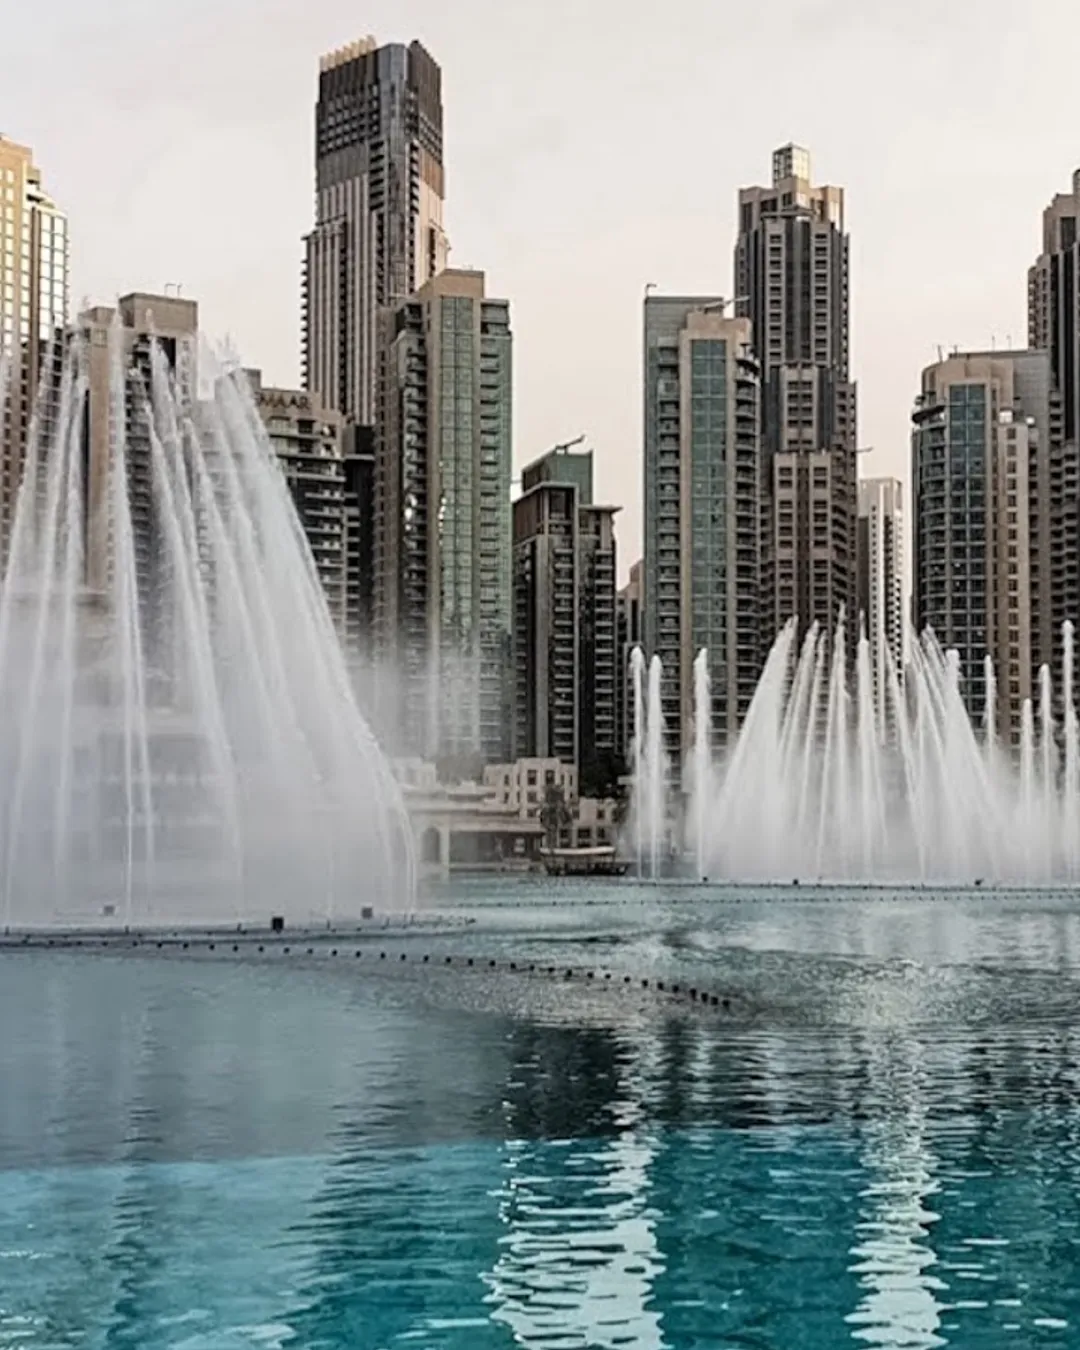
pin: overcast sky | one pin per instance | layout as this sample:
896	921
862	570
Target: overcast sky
592	146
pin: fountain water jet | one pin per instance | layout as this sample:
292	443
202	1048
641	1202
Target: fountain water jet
178	737
879	775
701	774
650	766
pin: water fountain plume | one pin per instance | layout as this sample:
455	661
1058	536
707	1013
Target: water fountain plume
650	766
866	772
178	736
637	677
701	773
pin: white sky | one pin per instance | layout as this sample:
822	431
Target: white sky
592	146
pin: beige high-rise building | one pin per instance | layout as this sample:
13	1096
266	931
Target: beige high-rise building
985	429
33	305
442	546
880	554
791	278
703	511
136	324
307	440
379	193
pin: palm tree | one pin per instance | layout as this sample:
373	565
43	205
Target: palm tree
555	815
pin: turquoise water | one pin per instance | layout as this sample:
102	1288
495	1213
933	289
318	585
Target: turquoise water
879	1144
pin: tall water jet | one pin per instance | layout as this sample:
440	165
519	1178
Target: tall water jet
701	772
637	679
178	737
844	773
1071	783
655	770
650	767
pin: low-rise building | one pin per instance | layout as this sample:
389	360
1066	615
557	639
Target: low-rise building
464	826
547	790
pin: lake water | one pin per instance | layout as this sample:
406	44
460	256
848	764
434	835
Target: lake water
876	1143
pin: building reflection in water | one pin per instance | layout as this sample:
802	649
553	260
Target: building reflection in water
893	1256
282	1151
578	1253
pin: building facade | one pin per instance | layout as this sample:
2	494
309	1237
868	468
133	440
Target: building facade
703	510
442	609
128	334
359	466
1054	327
379	191
562	465
33	306
630	633
792	280
307	440
880	554
987	427
565	653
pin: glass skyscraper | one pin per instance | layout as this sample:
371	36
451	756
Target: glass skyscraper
702	495
442	510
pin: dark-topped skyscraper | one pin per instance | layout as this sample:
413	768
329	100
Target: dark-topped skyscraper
566	669
1054	301
378	233
1054	327
791	277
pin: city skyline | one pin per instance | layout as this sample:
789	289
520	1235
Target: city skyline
521	170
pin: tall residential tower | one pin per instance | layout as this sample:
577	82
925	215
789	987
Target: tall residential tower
33	305
442	516
703	510
986	429
307	441
566	666
880	553
379	193
791	278
1054	326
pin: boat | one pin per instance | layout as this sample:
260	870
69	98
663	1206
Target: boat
583	862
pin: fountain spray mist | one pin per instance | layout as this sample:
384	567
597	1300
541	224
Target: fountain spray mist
836	780
650	790
178	735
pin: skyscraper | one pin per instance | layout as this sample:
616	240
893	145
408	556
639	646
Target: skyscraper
985	429
1054	301
791	277
33	305
1054	326
378	233
442	511
703	509
565	659
880	554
